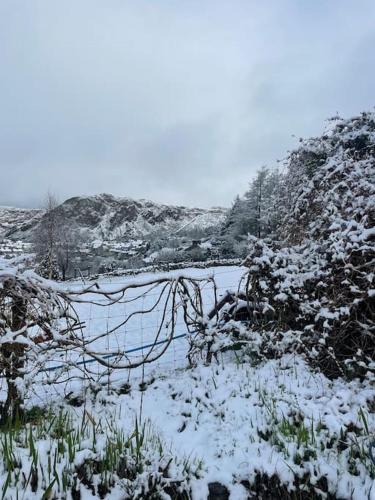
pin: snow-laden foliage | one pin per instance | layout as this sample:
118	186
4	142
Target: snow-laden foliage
323	285
312	289
324	307
329	185
90	458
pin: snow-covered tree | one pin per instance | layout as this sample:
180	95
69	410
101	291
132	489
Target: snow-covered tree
262	203
311	289
320	283
45	238
256	213
55	241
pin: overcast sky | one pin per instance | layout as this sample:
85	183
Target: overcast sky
178	101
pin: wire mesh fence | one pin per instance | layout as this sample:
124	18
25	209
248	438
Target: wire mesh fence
126	326
125	329
101	315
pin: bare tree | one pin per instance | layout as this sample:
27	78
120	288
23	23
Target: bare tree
46	236
55	241
68	240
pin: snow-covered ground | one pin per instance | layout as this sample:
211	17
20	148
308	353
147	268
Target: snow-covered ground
140	330
231	423
279	417
228	423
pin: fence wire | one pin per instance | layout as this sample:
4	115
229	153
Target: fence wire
139	332
133	337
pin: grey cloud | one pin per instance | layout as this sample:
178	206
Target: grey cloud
174	101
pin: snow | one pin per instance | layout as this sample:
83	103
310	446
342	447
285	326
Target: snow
240	420
140	330
234	418
265	411
222	407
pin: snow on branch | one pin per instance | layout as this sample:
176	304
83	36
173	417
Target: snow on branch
39	324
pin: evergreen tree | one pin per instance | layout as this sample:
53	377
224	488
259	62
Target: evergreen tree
257	213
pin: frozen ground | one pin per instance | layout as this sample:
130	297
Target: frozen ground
140	330
279	417
233	423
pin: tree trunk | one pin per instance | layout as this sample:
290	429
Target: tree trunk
50	265
13	357
259	209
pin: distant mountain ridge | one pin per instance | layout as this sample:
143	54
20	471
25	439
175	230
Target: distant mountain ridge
13	219
105	216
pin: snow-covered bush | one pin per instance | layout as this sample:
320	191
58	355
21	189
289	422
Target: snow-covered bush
313	304
35	320
311	289
320	285
48	268
329	184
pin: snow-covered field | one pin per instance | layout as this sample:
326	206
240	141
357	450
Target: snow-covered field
140	330
277	418
232	423
228	423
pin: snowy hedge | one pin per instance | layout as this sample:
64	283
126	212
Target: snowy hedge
311	288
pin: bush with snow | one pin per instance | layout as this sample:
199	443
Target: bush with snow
311	289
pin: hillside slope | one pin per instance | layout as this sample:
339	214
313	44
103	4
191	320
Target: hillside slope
18	220
107	217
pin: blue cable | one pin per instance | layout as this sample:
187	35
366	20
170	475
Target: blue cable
107	356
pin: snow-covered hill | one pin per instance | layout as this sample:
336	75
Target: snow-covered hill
18	220
107	217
